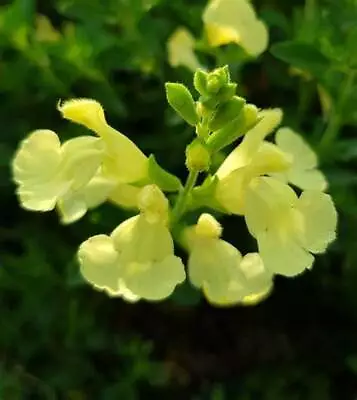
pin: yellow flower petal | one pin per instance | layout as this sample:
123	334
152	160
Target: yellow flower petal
139	241
213	264
122	159
213	261
320	220
146	251
81	159
214	267
42	197
153	204
243	153
256	298
71	208
87	112
255	38
38	158
270	158
154	280
180	48
220	35
268	205
231	190
287	228
37	170
303	172
99	262
253	157
292	143
257	278
125	293
283	255
312	179
125	195
208	227
218	268
75	204
235	21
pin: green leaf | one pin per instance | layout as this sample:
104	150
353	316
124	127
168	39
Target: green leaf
347	150
180	99
162	178
301	55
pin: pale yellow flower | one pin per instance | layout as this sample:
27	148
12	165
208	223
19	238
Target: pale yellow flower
235	21
251	158
100	266
218	268
303	172
75	204
141	253
122	159
288	228
47	172
256	298
125	195
242	155
180	47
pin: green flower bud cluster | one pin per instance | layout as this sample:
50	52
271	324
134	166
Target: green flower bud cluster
219	115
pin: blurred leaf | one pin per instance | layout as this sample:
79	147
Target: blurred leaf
347	150
301	55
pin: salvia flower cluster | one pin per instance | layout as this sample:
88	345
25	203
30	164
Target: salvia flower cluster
137	259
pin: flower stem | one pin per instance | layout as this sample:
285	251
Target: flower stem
182	199
335	121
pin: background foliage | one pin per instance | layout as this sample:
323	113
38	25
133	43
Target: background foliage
61	339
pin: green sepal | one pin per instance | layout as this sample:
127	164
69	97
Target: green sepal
209	102
200	81
226	113
181	100
160	177
218	79
246	120
204	196
227	92
228	134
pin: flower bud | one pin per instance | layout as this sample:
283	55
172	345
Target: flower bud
250	112
218	79
198	157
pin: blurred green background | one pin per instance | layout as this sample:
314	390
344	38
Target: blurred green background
59	339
